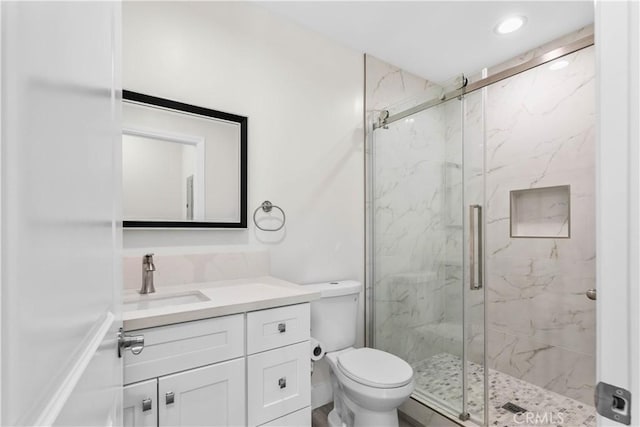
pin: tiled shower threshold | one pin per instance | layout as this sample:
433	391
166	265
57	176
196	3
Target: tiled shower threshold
440	378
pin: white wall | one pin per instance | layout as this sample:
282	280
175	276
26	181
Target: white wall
303	95
304	98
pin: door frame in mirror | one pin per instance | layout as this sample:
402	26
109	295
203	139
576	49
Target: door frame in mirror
154	101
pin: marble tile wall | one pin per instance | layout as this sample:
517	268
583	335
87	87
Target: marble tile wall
391	88
409	232
540	132
387	87
414	174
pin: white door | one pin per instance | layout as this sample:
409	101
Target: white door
618	216
60	229
209	396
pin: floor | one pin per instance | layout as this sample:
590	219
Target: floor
319	417
440	377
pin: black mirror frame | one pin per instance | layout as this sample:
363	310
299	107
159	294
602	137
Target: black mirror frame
128	95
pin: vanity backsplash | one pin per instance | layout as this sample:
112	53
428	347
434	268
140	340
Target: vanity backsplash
176	269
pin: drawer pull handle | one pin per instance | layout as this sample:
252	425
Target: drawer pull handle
282	327
146	404
282	382
170	397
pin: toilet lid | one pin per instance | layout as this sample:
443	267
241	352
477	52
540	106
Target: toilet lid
375	368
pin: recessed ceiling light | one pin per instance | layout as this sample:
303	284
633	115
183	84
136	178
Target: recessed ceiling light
558	65
510	25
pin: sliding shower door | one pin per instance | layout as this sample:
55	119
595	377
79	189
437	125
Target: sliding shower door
424	310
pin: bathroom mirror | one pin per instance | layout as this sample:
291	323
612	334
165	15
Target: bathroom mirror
183	166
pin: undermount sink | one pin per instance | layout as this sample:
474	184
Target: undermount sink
144	302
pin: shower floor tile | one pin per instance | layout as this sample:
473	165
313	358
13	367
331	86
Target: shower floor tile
440	377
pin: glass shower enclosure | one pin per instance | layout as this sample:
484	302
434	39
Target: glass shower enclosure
478	270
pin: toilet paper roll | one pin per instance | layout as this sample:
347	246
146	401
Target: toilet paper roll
317	350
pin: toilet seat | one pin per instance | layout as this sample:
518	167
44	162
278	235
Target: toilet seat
375	368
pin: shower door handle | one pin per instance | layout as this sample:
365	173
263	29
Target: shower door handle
476	259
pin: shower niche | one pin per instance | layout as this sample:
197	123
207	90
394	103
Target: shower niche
541	212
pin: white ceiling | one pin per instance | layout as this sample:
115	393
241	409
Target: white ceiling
437	39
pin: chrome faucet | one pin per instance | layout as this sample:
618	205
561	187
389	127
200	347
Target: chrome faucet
147	274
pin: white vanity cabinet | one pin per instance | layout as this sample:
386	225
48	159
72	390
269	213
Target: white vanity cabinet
189	373
244	369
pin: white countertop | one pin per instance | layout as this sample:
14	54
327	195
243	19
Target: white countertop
225	297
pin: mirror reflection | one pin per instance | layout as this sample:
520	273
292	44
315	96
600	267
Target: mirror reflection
182	165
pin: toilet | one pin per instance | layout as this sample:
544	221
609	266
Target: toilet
368	384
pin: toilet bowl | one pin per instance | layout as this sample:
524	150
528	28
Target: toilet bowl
371	384
368	384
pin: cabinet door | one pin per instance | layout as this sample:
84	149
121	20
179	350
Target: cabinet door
279	382
213	395
140	404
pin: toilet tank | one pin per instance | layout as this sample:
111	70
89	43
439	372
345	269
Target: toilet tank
334	316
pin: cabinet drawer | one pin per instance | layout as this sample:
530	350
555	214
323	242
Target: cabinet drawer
301	418
279	382
277	327
182	346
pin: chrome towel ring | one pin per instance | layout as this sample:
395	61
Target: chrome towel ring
267	206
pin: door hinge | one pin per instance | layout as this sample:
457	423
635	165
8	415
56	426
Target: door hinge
133	342
613	402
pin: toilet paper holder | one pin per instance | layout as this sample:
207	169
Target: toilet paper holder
317	350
